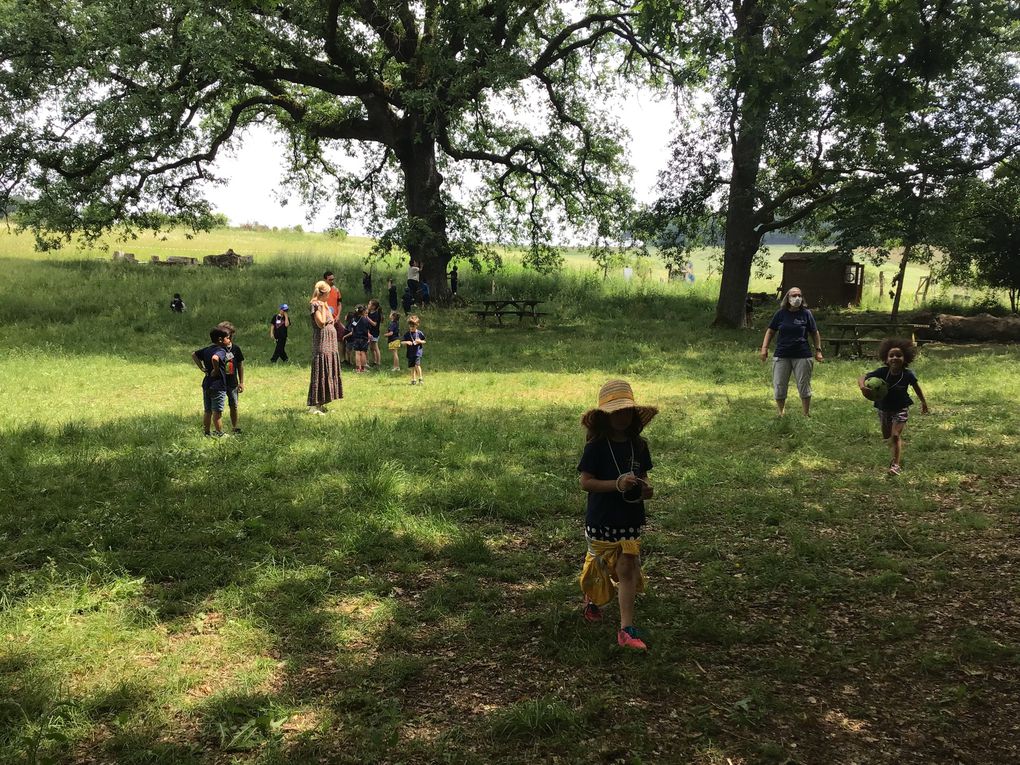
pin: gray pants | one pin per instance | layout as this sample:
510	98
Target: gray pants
801	370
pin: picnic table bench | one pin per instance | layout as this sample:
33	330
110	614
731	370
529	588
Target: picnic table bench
855	335
521	308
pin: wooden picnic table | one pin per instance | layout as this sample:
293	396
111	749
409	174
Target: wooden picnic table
857	335
500	307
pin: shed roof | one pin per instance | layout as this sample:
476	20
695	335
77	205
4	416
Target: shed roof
834	255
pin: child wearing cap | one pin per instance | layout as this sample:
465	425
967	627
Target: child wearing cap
278	326
614	471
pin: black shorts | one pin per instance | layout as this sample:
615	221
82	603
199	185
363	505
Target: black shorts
359	345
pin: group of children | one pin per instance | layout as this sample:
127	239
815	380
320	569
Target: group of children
359	335
614	472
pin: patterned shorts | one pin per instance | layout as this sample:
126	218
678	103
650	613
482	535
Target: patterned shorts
611	534
888	418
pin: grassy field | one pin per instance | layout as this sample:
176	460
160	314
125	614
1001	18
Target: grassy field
396	582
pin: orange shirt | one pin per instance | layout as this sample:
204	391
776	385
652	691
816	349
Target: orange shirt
333	301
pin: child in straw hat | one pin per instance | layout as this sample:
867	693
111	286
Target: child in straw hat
614	471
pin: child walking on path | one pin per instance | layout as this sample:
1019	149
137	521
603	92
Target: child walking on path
614	471
393	339
414	339
897	355
212	360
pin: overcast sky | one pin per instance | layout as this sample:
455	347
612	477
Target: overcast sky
254	170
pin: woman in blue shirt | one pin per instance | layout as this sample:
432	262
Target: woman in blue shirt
792	324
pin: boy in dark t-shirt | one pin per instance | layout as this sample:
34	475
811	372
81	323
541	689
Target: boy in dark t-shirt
233	373
897	355
212	361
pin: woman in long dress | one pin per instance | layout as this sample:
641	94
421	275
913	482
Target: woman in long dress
325	385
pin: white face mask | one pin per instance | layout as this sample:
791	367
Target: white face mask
796	300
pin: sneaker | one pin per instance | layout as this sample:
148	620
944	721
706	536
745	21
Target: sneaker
395	369
236	431
414	382
217	434
316	410
627	638
592	613
895	469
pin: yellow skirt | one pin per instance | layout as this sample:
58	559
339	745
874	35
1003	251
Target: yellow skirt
598	576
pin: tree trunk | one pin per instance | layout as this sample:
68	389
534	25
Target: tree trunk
899	279
742	237
426	240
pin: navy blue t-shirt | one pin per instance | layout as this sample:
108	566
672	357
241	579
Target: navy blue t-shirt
393	331
898	396
234	357
414	351
279	325
608	509
375	316
792	329
219	382
359	329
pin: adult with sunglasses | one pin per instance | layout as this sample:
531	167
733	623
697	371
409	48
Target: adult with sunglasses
792	326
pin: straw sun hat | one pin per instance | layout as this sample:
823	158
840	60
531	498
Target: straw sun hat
614	396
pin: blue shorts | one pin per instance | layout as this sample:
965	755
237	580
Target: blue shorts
415	362
232	394
214	400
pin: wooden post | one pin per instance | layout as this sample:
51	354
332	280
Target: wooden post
881	284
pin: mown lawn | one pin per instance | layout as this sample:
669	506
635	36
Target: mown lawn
396	582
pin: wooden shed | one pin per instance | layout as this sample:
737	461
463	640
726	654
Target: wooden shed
826	278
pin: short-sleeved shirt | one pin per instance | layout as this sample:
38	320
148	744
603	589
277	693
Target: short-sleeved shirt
608	509
209	382
234	357
393	331
279	325
898	396
333	301
413	273
375	316
414	351
360	329
425	291
792	329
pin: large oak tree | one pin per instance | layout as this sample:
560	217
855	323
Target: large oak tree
112	112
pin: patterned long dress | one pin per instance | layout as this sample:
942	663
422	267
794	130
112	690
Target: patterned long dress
326	384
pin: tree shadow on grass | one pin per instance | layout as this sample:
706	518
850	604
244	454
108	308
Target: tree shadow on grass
411	605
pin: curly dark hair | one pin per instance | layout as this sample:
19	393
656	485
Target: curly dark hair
907	346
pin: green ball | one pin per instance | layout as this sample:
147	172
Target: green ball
877	387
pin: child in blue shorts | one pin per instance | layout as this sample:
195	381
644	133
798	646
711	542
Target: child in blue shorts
212	360
897	355
414	339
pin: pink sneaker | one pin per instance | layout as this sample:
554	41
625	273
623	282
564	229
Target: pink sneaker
627	638
592	613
